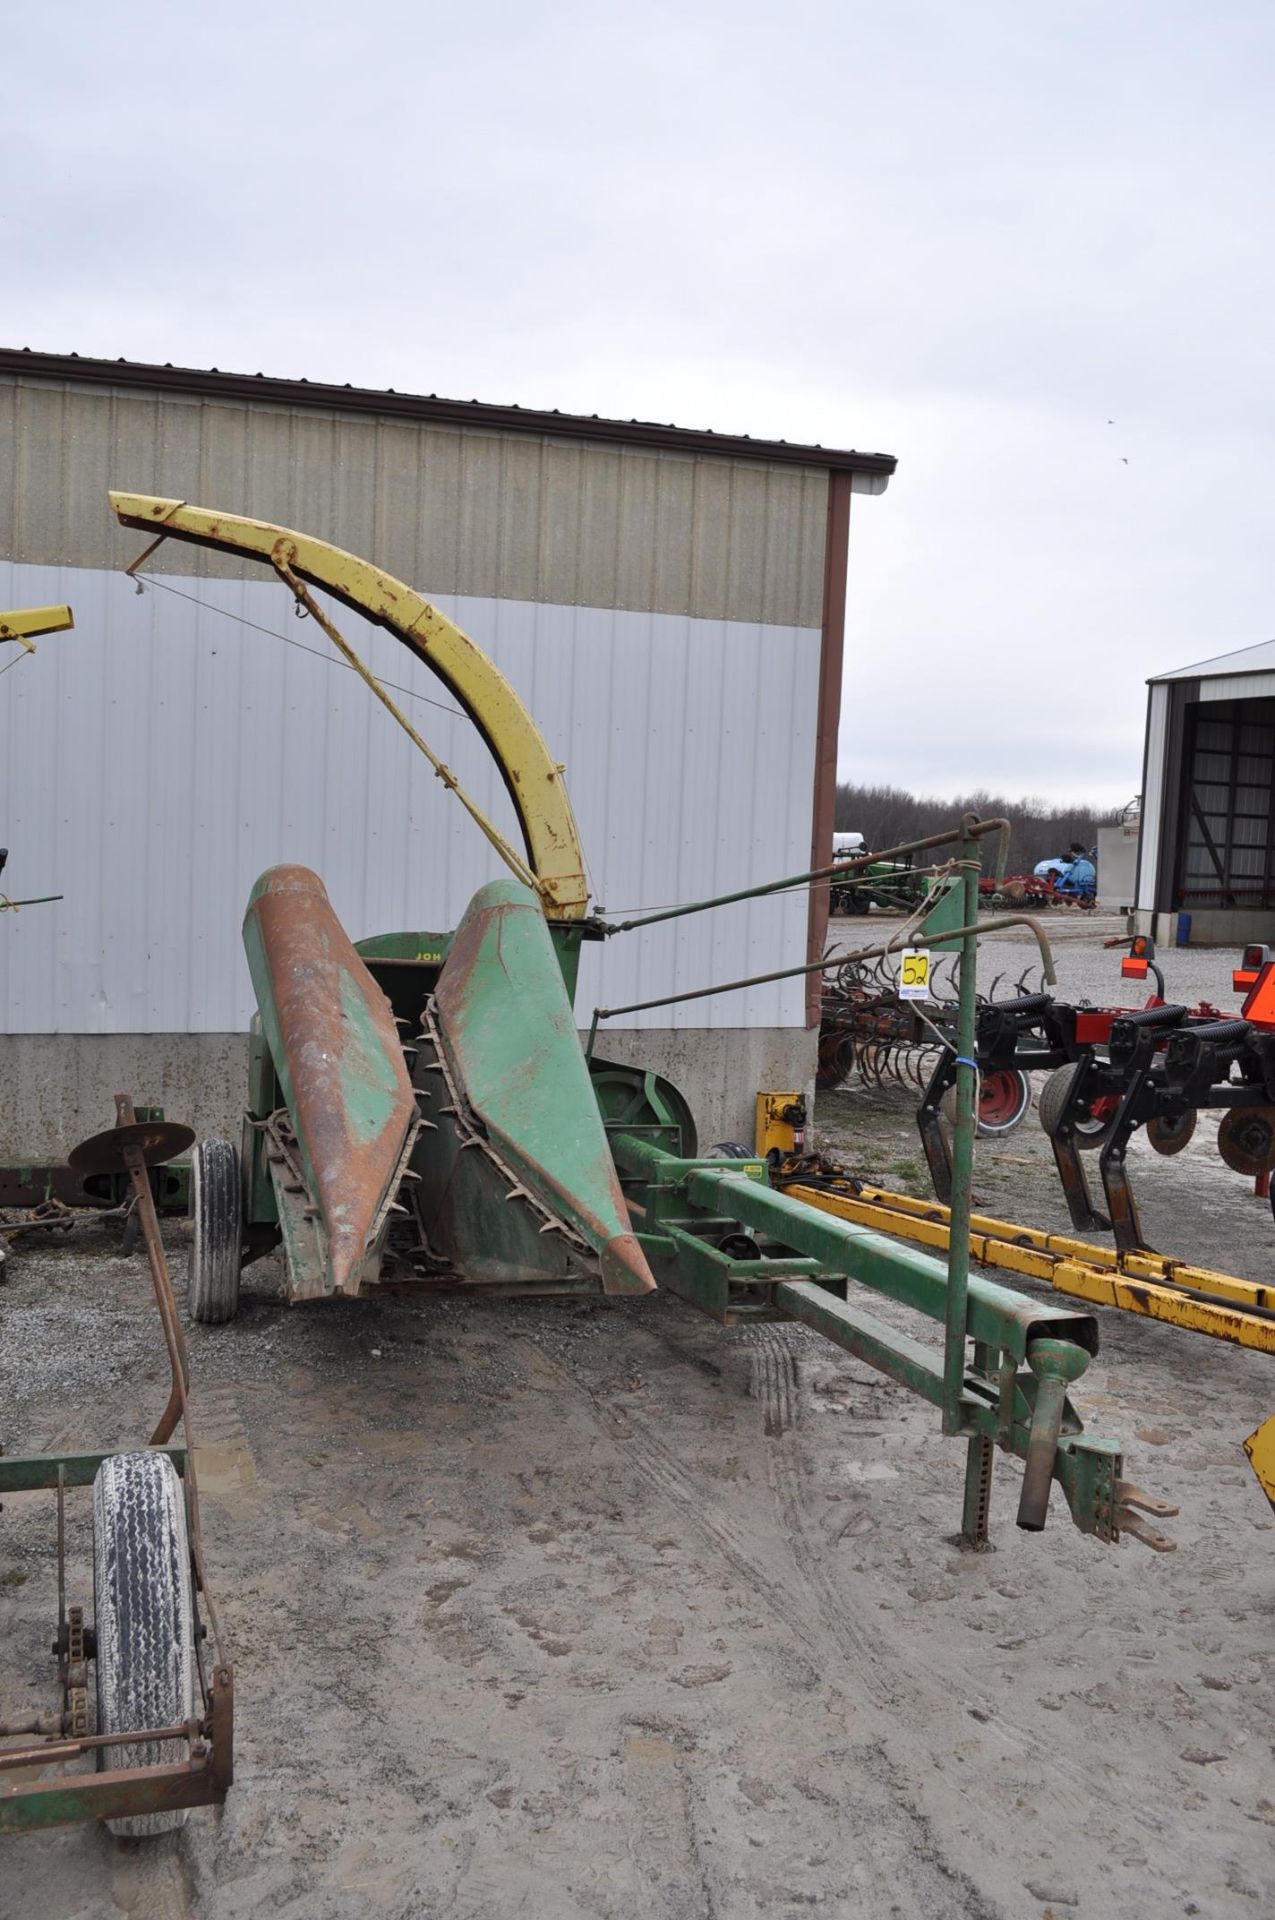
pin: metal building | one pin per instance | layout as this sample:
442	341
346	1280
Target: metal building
670	604
1206	867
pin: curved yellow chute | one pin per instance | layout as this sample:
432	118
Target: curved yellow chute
533	778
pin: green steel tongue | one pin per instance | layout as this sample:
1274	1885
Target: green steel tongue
507	1031
340	1064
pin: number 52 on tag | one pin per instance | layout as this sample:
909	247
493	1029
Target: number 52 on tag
914	973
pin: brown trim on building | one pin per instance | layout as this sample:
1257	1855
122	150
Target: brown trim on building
1142	804
828	724
213	384
1175	798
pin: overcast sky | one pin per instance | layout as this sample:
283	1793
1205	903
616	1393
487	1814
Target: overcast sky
1027	248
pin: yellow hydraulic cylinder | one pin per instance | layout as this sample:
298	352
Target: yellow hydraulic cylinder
780	1123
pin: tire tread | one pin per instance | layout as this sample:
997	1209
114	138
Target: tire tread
144	1622
217	1216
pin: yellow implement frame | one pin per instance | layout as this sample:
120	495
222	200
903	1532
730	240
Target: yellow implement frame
1219	1304
25	624
554	865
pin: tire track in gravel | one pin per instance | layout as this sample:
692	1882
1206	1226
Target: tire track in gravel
773	1381
745	1548
906	1688
793	1489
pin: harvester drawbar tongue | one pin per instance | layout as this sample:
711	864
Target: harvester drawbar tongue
718	1235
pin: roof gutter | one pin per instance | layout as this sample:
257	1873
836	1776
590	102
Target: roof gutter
870	471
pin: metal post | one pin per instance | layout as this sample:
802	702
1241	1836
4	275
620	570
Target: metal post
958	1255
170	1320
976	1512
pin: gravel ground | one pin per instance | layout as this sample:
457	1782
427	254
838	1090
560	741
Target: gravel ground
1086	971
597	1609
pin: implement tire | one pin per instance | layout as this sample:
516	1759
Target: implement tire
216	1211
143	1618
1004	1101
1090	1134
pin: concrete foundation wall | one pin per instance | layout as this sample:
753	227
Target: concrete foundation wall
59	1088
720	1073
1210	927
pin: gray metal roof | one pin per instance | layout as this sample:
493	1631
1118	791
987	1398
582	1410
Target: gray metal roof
21	361
1259	658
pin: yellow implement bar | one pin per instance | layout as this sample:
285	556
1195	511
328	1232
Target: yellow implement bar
1219	1304
1260	1448
1242	1311
533	778
23	624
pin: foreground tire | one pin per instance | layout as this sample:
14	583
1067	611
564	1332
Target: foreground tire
216	1210
1090	1132
144	1618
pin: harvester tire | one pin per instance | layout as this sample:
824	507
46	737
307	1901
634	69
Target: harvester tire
1090	1134
216	1211
144	1618
730	1150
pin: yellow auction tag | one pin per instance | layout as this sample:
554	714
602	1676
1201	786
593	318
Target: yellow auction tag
914	973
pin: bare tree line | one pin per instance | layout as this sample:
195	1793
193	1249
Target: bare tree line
887	816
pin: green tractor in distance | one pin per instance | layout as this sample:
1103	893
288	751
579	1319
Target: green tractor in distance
893	885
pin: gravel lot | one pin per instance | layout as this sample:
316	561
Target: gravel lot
1086	970
598	1610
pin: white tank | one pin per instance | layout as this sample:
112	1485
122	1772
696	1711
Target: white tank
844	844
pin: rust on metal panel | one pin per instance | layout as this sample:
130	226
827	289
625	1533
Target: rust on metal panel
339	1060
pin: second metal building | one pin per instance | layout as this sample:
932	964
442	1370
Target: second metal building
1206	869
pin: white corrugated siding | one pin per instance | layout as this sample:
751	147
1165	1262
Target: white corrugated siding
1154	799
159	757
1238	686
